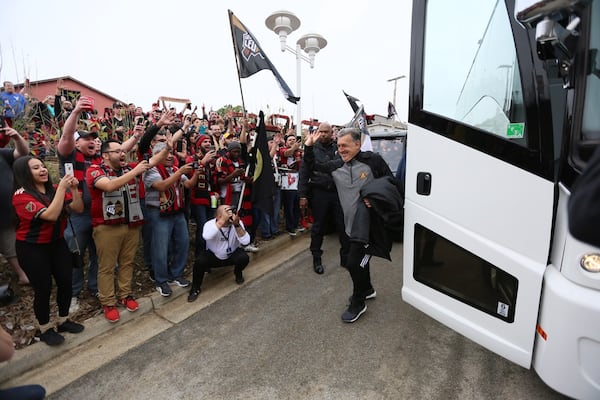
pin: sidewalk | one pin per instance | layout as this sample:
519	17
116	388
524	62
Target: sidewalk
102	341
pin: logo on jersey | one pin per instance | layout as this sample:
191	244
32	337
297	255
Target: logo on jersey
31	207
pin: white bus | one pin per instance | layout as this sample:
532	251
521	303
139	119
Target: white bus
504	112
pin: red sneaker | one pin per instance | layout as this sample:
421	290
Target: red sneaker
304	222
129	303
111	313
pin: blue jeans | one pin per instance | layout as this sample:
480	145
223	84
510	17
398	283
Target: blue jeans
269	224
201	214
291	209
146	236
82	223
171	229
27	392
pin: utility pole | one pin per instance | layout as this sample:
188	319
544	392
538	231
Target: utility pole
395	80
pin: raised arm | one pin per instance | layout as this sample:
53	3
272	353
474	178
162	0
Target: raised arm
66	144
21	145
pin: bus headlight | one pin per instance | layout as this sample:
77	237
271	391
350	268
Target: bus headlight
590	262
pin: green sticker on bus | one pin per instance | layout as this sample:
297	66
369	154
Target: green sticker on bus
515	130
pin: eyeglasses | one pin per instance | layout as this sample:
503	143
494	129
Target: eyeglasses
115	151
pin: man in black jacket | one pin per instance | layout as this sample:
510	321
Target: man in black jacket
351	173
320	189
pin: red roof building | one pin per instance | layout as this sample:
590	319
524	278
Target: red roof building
72	89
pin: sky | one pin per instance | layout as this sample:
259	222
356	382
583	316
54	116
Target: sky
138	50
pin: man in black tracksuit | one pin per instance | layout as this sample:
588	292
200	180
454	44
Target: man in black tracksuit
351	173
319	188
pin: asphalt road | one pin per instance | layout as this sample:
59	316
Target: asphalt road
281	337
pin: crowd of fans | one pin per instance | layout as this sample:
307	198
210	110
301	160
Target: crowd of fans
146	177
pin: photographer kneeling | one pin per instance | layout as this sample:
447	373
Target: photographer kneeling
225	237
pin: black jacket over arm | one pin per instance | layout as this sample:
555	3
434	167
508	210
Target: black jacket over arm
584	204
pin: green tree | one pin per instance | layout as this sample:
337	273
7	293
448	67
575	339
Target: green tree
227	108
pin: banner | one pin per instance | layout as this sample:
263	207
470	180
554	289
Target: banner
360	121
251	58
264	179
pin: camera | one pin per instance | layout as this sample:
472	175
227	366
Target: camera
195	164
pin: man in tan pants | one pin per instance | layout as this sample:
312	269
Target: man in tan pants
117	219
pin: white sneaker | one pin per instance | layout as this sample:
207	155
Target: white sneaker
74	307
251	248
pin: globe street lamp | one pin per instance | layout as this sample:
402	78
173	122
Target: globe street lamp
283	23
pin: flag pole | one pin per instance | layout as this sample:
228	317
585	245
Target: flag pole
237	61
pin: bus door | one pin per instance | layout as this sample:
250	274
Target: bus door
479	180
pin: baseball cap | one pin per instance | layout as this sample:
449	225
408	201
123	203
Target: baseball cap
234	145
84	134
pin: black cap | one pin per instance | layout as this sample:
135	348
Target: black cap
85	134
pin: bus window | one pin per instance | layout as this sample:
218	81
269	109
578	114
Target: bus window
590	128
476	82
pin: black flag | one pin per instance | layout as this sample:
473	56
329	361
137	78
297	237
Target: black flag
352	100
391	110
264	180
251	58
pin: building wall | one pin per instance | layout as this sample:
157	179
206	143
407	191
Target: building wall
42	89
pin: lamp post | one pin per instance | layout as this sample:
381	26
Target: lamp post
395	80
283	23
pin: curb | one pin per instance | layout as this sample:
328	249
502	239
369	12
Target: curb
171	310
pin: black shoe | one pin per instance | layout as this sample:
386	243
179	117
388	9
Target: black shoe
371	294
52	338
194	293
318	265
239	278
354	311
70	326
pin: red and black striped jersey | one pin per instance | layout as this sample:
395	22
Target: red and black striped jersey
31	228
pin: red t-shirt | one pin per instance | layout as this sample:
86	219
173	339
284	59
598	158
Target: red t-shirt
292	162
31	228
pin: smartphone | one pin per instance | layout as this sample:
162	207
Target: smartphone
68	168
140	121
